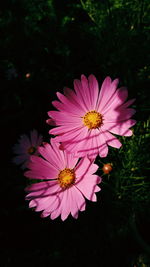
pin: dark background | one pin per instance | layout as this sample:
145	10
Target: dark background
55	42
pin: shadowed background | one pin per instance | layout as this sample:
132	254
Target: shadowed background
44	46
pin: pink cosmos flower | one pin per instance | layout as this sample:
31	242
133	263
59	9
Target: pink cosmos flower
87	117
66	182
26	147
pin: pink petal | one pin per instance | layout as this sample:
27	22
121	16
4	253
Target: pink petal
85	146
79	142
73	137
97	188
55	204
128	103
63	118
112	140
74	206
85	166
107	91
82	167
121	128
90	146
53	154
99	140
59	154
71	161
102	146
86	92
32	204
117	99
60	130
64	108
56	212
77	102
45	188
36	162
119	115
40	169
71	102
93	145
87	186
93	168
78	198
80	93
45	203
94	90
74	99
66	205
103	151
46	196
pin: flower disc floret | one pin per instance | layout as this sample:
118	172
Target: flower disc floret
31	150
66	178
92	119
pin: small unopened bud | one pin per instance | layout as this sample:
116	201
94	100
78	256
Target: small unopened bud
107	168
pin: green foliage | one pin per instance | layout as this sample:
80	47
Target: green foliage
37	13
126	189
129	180
120	27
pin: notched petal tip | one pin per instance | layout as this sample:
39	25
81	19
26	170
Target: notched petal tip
83	76
92	76
108	79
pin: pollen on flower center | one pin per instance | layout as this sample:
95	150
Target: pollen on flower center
66	178
93	119
31	150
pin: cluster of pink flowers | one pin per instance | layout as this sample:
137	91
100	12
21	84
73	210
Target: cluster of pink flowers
85	120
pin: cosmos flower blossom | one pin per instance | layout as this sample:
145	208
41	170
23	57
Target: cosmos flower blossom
26	147
87	118
66	182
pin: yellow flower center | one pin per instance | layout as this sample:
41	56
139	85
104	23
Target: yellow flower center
93	119
66	178
31	150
